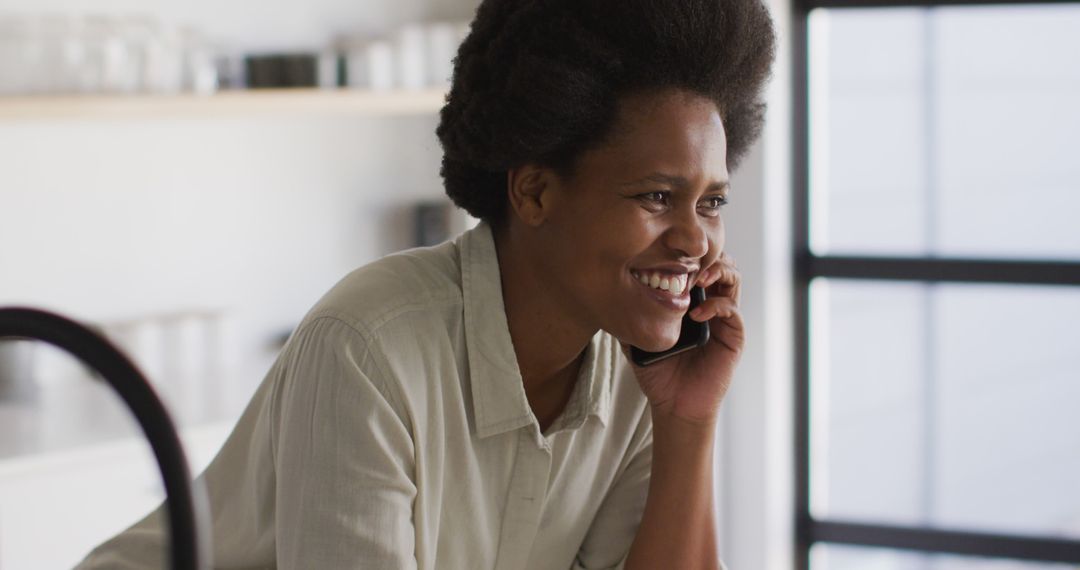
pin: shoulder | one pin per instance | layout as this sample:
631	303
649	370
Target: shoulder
383	312
415	281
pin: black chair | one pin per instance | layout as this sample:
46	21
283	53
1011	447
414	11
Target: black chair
186	503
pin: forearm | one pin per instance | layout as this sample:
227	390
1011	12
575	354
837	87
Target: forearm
678	528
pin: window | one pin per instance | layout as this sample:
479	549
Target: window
938	285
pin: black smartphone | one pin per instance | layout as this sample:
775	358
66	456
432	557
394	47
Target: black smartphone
692	335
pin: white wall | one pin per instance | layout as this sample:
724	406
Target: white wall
755	457
113	220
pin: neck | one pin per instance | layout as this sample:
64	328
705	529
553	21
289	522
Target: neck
548	342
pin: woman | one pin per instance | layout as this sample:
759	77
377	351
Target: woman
471	405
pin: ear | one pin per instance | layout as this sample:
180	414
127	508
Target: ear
531	190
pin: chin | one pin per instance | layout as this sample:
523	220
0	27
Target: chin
659	345
653	340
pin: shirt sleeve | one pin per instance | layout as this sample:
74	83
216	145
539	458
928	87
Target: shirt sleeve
344	457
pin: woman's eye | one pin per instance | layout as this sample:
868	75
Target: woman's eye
714	203
654	198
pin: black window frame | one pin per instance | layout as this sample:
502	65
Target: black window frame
807	266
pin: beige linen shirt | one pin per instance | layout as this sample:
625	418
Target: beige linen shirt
393	432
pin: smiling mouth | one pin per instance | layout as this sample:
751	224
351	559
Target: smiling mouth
675	284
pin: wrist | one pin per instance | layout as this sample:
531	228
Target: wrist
669	425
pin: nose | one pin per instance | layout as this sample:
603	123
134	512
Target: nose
689	235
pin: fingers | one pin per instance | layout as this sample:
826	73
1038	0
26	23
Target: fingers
727	322
722	278
715	307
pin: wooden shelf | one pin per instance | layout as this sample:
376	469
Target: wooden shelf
256	102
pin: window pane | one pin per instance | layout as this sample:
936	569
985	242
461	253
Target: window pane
867	425
947	131
946	405
836	557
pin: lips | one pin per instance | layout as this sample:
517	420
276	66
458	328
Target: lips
667	286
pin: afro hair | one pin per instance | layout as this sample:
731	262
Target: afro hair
539	81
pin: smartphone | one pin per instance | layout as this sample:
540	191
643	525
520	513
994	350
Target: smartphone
692	335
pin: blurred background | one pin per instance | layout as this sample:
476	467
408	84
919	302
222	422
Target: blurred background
190	177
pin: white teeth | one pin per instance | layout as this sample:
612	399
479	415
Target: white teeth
676	284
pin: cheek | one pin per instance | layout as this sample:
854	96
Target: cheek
717	240
632	242
618	233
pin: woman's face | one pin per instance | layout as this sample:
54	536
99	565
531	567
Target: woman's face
628	233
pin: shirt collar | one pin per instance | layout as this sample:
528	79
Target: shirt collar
498	394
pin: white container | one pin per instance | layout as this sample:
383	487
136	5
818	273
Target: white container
442	44
52	75
72	55
10	54
199	68
119	62
89	77
17	380
185	361
143	341
371	66
410	45
327	71
20	53
163	62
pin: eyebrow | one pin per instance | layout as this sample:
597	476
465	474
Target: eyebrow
676	181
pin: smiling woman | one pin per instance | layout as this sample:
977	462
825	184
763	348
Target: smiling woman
588	237
471	405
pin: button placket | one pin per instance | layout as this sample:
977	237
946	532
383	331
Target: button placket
525	504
